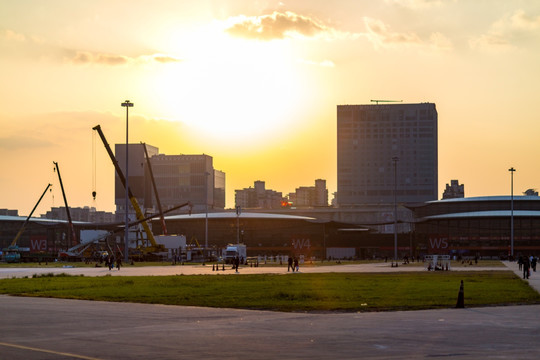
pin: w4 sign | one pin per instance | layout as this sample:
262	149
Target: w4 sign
301	243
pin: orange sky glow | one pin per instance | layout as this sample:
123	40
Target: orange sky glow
256	84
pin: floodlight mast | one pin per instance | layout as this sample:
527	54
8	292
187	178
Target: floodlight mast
127	104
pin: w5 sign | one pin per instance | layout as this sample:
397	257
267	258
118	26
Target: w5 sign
301	243
438	242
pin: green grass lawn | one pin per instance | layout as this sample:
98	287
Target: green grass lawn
292	292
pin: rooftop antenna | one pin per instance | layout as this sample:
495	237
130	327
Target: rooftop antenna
385	101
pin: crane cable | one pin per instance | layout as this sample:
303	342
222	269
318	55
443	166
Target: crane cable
94	165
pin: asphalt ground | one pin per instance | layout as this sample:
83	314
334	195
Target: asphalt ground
40	328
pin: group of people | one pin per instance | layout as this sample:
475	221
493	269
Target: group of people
526	263
293	264
109	261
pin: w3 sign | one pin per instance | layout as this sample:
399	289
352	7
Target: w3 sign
38	244
302	243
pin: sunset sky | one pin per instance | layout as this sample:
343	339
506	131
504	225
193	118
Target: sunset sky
255	84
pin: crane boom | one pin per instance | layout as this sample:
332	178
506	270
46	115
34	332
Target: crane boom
71	228
385	101
162	218
155	246
14	242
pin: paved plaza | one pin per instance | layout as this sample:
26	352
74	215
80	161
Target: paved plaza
40	328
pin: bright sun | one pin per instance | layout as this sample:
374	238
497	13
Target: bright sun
230	87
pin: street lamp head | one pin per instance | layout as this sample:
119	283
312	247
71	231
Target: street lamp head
512	169
127	103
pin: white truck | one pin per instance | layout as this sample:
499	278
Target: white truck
234	250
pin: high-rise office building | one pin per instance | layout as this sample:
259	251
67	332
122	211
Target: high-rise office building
139	181
182	178
382	149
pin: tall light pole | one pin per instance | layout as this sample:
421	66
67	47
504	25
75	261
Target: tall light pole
206	174
395	159
127	104
512	211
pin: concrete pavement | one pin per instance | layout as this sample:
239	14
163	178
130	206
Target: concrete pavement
40	328
533	280
6	273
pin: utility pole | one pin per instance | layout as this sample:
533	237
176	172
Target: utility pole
395	159
512	211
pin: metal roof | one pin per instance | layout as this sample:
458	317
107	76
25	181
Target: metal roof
244	215
38	220
484	214
488	198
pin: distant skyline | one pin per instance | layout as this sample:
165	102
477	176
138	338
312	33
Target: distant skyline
256	86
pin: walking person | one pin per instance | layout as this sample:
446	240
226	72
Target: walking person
290	264
526	267
295	264
118	262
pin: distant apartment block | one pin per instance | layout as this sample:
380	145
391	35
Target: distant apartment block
8	212
310	196
454	190
85	214
382	148
258	197
178	179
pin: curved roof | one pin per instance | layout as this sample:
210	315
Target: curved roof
488	198
38	220
232	215
484	214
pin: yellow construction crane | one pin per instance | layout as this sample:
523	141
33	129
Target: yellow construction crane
154	247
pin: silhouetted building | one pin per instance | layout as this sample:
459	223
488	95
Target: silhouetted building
258	197
454	190
478	226
369	137
139	181
310	196
530	192
84	214
183	178
8	212
178	178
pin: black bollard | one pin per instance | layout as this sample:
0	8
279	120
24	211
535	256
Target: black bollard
461	297
223	268
213	267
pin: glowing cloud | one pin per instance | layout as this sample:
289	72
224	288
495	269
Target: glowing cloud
164	59
381	35
104	59
506	33
11	35
276	26
85	57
